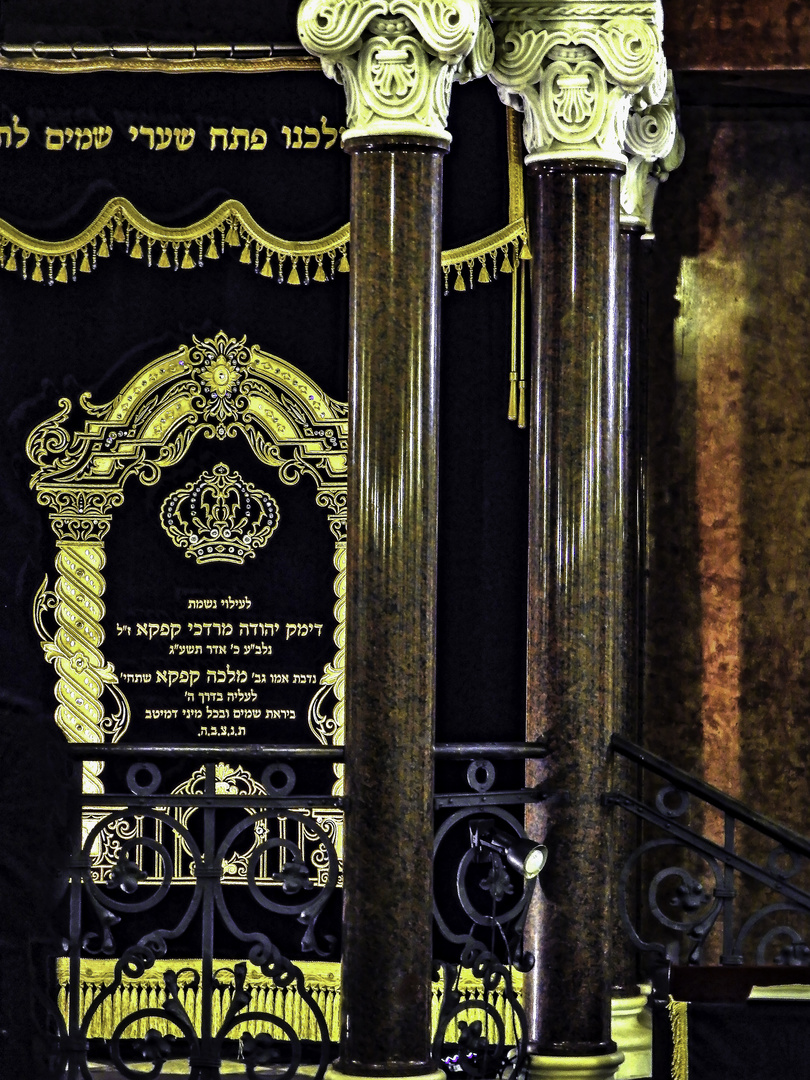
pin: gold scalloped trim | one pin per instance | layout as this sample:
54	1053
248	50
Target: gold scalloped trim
230	225
120	225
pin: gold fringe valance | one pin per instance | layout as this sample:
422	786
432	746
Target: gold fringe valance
480	262
322	980
120	226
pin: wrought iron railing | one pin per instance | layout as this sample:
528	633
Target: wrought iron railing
712	881
202	913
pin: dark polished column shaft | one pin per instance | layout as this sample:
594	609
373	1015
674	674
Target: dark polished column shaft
577	620
391	606
631	384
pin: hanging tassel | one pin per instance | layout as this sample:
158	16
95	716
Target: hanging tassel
525	253
61	276
459	285
522	353
137	250
103	249
232	239
506	266
188	263
513	367
37	274
679	1022
513	408
320	274
163	261
85	267
294	279
483	273
246	257
119	235
212	252
11	261
343	265
267	269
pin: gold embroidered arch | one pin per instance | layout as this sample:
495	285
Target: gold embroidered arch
214	389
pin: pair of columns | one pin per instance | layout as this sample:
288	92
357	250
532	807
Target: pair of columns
591	81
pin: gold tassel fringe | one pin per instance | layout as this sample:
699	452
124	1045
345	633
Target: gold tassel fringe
680	1038
120	225
321	980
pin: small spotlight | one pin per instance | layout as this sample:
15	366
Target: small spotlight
524	855
527	857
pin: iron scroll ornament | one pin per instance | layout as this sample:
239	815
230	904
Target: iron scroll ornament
217	388
491	1024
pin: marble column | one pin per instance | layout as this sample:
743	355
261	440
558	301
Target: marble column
397	60
574	74
577	610
391	604
653	147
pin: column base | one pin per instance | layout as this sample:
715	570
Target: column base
334	1073
631	1030
596	1067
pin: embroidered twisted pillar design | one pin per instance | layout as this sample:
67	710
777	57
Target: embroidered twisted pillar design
74	647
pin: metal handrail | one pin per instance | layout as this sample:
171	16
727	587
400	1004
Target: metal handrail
712	795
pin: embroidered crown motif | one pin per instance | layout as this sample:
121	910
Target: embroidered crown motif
219	517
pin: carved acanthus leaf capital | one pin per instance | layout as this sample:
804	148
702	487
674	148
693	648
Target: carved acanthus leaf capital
575	70
654	147
397	59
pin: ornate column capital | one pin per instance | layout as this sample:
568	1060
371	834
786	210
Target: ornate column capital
575	69
397	59
654	146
